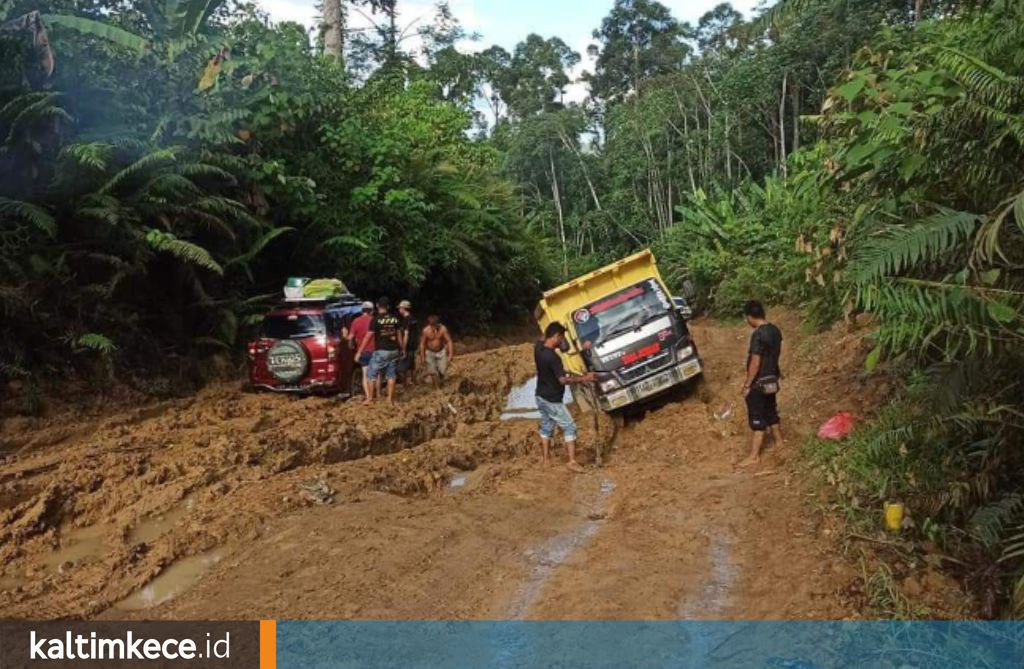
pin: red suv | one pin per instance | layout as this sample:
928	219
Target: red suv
300	348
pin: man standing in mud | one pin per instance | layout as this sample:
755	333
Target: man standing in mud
551	381
411	335
762	380
436	349
386	332
360	326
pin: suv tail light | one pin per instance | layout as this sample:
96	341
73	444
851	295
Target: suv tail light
332	352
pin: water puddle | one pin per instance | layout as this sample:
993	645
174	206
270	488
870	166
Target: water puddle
714	594
173	581
522	403
457	482
78	545
556	551
153	527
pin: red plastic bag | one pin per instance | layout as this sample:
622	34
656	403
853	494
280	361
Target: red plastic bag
837	427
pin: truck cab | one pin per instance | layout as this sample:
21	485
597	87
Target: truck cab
624	325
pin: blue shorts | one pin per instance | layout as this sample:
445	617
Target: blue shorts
386	363
365	359
552	414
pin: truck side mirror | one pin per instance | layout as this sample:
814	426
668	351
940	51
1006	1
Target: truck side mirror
689	290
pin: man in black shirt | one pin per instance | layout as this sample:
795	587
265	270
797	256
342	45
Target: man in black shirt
762	381
551	381
389	345
411	332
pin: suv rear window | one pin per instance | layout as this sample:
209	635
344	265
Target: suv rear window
293	326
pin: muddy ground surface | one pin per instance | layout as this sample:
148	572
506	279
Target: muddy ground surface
234	505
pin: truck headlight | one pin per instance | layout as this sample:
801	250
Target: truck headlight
609	385
684	353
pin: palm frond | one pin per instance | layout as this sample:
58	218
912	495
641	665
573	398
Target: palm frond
900	249
185	251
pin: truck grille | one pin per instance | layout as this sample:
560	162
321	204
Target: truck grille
640	370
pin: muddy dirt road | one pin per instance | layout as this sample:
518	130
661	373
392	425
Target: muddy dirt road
233	505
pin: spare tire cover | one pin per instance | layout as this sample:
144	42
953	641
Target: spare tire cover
287	361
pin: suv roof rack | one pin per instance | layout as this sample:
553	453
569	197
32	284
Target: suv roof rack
346	300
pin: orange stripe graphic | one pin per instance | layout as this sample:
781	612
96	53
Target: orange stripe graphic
268	644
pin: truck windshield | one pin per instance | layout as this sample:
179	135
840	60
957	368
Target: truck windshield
620	312
293	326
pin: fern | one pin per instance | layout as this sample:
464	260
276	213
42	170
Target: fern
42	108
900	249
32	214
96	342
343	241
94	155
185	251
258	246
156	158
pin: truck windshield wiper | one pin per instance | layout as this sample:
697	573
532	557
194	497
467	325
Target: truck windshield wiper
620	328
634	323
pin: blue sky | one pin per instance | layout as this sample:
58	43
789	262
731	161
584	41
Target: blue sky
505	22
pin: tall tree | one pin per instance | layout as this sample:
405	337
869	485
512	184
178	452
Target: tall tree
333	29
637	40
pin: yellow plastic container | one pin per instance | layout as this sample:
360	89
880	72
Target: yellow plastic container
894	516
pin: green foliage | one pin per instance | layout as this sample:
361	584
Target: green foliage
100	29
96	342
769	242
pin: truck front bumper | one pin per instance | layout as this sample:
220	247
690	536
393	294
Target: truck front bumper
652	385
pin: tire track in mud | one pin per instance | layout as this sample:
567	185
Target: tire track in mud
677	531
556	551
219	449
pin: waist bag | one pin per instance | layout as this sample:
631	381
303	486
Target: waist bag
769	385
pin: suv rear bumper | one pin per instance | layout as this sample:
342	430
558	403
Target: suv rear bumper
655	384
304	387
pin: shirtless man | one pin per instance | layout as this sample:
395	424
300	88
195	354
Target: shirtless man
436	349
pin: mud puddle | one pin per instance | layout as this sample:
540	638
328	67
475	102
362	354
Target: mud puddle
547	557
173	581
153	527
521	403
79	545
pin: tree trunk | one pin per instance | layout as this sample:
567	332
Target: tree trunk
782	125
556	194
795	102
334	29
583	167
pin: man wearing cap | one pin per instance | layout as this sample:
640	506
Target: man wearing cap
356	333
389	347
411	333
551	381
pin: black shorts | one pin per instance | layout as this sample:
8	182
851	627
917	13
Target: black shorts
762	410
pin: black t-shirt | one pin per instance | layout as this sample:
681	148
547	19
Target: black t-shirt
767	343
549	373
412	329
385	329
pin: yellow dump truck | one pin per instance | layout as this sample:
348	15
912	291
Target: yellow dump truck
624	325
